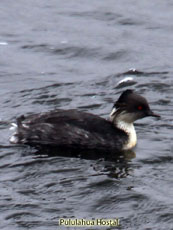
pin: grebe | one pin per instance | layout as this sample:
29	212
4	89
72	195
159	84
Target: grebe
79	130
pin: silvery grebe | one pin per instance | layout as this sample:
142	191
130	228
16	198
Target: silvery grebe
79	130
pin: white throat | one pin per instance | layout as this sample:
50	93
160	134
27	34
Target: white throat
124	121
130	130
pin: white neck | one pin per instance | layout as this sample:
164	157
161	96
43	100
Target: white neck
124	122
130	130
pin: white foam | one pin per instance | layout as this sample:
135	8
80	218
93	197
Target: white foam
3	43
126	79
132	69
64	42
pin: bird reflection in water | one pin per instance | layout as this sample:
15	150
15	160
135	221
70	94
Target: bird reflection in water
114	165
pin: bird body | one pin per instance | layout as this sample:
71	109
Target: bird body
80	130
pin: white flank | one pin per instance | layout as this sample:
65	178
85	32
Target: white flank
13	126
13	139
25	126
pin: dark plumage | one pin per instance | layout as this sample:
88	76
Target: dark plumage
71	129
74	129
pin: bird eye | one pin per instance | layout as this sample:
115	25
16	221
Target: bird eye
140	107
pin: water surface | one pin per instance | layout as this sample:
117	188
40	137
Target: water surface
72	54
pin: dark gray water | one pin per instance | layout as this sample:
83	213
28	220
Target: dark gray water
72	54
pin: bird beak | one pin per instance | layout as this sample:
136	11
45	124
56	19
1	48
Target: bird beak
152	114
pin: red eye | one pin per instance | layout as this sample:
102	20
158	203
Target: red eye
140	107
